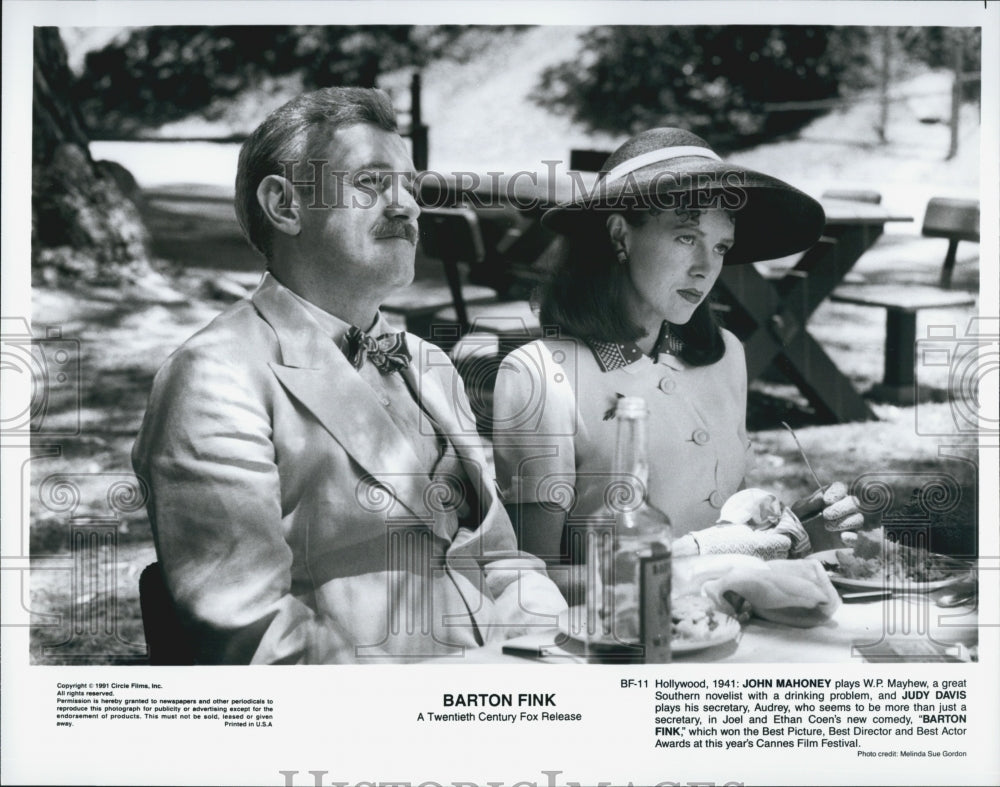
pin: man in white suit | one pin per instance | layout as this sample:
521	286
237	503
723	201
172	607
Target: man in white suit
314	495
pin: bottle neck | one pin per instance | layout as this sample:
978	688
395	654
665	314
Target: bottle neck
631	465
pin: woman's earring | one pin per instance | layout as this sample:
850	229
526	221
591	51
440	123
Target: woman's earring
621	254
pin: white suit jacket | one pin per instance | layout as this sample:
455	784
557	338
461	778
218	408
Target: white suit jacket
292	519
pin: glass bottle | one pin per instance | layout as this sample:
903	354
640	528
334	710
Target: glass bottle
630	567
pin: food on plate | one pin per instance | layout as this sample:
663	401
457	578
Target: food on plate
696	621
874	557
694	618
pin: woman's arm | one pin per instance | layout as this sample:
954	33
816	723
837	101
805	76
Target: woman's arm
539	531
534	425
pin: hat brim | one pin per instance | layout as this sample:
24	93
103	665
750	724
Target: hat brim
773	218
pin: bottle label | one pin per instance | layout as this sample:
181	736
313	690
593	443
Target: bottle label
654	608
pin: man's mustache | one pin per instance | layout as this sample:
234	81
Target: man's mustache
397	228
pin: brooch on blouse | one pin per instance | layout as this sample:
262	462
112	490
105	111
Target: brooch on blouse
610	412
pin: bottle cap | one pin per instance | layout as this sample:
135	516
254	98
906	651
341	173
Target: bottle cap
631	407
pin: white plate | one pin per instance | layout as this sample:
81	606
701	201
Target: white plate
727	630
888	583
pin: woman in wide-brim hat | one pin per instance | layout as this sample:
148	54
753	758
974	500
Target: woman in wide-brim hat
630	296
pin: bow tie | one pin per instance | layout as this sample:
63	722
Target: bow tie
388	352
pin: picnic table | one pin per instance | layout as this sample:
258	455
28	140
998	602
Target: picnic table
769	314
906	628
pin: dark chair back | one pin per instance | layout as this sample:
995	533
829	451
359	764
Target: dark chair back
956	219
453	236
166	639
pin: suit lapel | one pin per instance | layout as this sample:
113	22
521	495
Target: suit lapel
317	374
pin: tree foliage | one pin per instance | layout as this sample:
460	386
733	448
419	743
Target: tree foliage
938	46
716	81
158	74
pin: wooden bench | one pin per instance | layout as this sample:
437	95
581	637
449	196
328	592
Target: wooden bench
855	195
956	220
902	303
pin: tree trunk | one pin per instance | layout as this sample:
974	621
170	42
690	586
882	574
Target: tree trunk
83	226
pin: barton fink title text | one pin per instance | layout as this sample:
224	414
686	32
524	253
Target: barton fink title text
498	700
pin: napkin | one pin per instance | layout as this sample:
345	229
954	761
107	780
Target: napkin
689	574
792	592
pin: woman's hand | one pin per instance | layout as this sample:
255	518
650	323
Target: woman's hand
839	510
763	513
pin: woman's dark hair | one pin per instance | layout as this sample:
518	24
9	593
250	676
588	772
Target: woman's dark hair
585	295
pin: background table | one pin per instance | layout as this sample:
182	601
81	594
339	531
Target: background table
769	316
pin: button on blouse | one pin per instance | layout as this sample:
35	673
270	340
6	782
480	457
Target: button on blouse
555	432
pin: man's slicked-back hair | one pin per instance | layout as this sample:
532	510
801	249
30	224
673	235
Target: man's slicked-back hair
285	136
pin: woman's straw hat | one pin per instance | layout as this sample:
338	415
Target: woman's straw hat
669	168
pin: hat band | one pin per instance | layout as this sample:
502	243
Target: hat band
656	156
